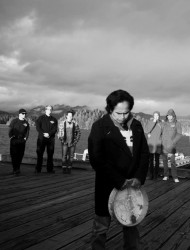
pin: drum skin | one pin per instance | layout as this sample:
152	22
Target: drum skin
129	206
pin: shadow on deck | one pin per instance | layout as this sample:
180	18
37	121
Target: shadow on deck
55	211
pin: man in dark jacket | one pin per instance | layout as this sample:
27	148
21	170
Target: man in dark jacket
18	134
119	154
46	126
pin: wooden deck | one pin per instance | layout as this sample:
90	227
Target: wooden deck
55	211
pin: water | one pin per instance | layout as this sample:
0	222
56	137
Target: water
32	140
183	145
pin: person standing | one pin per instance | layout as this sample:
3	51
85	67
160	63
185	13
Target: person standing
46	125
69	134
153	128
172	132
119	154
18	133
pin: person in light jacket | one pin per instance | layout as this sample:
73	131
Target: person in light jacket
119	154
153	129
172	132
69	134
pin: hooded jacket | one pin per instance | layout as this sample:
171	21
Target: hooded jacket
171	134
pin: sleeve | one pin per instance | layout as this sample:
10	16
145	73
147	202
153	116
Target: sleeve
39	126
144	160
77	133
60	132
146	127
178	133
27	132
11	127
98	161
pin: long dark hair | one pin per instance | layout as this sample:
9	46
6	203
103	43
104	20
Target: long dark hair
116	97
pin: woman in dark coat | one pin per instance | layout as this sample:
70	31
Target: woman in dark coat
118	152
153	128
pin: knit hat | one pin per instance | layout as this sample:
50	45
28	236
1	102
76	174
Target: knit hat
22	111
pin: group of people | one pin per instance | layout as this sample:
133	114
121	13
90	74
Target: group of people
162	137
119	152
47	126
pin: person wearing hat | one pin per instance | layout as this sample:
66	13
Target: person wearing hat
153	129
46	125
18	133
69	134
119	154
172	133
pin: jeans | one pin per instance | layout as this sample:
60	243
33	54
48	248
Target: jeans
154	165
101	224
173	165
43	143
67	155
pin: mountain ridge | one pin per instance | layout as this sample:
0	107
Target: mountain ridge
60	109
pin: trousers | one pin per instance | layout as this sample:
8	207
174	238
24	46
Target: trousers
154	165
17	148
42	144
101	224
67	155
173	165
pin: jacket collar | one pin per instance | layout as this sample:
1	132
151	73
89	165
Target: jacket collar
114	134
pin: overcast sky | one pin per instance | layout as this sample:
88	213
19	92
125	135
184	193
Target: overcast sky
76	52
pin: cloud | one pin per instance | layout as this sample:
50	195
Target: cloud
82	50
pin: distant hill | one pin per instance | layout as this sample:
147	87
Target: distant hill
84	115
58	110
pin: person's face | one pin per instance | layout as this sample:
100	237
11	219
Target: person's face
121	112
22	116
156	116
170	118
69	117
48	111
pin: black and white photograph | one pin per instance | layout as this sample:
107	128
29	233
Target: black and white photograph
94	125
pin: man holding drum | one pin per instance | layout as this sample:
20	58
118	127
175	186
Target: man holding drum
119	154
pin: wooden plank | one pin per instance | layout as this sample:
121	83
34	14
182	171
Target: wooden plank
161	214
75	215
32	199
64	238
180	240
20	183
56	212
37	207
37	215
162	233
50	230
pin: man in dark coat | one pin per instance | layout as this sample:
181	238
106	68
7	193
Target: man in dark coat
119	154
46	125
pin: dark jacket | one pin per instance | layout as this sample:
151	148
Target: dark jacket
46	124
19	129
171	134
112	159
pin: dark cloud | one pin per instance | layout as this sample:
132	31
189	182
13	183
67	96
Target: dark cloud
78	51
